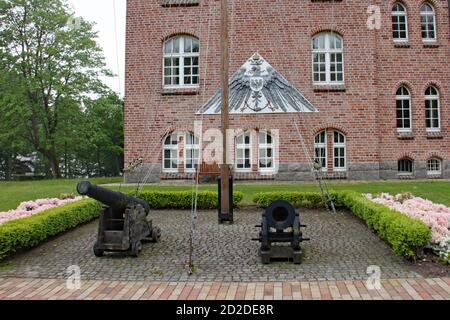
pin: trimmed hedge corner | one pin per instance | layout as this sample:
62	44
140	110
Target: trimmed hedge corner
405	235
29	232
183	199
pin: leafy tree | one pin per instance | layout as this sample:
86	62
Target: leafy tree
96	148
55	64
11	127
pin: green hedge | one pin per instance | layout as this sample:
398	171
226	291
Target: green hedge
406	236
298	199
31	231
183	199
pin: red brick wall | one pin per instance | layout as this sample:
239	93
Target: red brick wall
281	32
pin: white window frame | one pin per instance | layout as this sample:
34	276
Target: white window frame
266	146
431	98
404	98
328	52
401	173
400	14
170	147
191	147
244	146
430	167
322	145
427	14
180	55
339	145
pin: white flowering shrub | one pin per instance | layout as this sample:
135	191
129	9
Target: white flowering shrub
442	249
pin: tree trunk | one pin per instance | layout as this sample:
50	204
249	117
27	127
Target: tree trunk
99	163
66	171
54	164
117	165
9	166
55	167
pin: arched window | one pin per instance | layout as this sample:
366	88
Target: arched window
405	166
434	167
320	149
432	109
428	22
403	100
244	152
328	59
339	151
170	153
266	152
399	22
191	152
181	62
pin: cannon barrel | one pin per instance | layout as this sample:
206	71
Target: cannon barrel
115	200
280	215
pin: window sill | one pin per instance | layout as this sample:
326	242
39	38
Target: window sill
430	44
267	172
434	175
243	170
335	175
329	87
169	172
405	135
192	91
401	44
177	3
434	135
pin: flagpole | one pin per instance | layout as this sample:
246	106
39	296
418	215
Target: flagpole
225	56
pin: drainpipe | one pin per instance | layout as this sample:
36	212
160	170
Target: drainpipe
449	11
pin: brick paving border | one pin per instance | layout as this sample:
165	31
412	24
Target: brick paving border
392	289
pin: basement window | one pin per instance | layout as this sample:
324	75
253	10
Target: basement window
405	167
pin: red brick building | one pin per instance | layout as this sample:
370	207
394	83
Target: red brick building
377	72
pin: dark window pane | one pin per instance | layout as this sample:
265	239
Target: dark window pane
195	46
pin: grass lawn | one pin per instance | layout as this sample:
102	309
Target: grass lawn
13	193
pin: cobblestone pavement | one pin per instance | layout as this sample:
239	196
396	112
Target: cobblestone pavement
341	251
392	289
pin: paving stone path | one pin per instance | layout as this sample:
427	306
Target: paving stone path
338	250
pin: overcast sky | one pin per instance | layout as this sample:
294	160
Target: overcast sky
102	13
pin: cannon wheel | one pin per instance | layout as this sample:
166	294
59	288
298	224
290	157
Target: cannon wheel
136	248
156	234
98	252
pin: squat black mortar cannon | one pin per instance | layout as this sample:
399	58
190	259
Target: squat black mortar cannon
281	224
123	221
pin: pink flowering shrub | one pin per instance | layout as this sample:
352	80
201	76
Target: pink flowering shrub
435	216
30	208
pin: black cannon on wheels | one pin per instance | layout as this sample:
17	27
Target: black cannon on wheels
123	221
281	225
